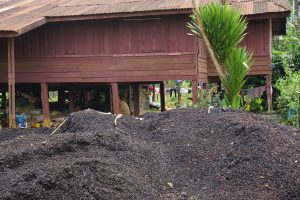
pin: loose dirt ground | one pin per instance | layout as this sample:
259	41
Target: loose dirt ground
178	154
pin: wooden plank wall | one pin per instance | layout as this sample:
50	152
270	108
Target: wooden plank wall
257	41
122	51
202	62
120	68
105	51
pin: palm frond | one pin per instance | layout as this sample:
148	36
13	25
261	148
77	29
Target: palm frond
223	28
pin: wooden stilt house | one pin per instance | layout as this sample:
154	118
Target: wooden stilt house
69	42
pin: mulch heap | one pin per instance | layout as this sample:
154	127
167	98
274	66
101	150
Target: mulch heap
178	154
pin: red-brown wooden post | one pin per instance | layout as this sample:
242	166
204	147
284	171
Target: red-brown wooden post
11	84
162	97
153	95
108	104
269	76
179	84
269	91
130	97
45	104
136	100
71	101
115	97
61	98
195	91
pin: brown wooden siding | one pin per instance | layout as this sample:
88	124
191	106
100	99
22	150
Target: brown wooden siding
122	51
144	49
120	68
257	41
261	66
108	37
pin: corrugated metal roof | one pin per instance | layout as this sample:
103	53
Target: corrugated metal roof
22	15
248	8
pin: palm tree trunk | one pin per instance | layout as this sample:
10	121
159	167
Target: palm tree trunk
218	66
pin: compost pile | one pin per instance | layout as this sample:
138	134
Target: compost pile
178	154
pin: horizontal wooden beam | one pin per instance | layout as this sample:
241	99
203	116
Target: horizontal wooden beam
129	79
104	56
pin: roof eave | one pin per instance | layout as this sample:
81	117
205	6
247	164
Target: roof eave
155	13
270	15
25	29
8	34
118	15
15	33
32	26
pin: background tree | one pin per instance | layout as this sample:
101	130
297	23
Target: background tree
286	67
296	8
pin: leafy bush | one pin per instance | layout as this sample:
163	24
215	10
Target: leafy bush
289	88
209	97
286	53
253	104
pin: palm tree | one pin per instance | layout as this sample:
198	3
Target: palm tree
222	28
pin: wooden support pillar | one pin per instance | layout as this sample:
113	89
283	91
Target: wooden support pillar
71	101
11	84
61	98
162	97
108	107
195	91
179	84
129	97
97	99
269	76
136	100
269	91
45	104
153	95
115	98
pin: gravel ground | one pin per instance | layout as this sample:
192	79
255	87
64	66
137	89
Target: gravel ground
177	154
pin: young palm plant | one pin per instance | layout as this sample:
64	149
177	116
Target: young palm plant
222	28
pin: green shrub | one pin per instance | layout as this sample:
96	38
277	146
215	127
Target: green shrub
209	97
289	88
253	104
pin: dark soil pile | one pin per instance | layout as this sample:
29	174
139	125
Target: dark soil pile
178	154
